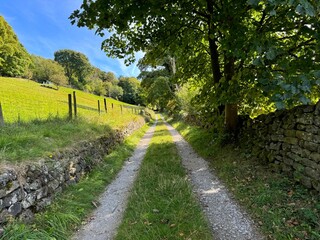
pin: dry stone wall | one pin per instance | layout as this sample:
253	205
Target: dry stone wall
27	189
289	140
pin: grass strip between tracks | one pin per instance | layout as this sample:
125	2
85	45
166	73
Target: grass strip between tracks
162	205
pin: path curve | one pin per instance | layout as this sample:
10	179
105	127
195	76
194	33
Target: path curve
227	220
107	217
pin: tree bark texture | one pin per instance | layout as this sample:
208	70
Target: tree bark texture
231	109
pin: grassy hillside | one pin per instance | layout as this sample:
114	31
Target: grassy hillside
43	126
28	100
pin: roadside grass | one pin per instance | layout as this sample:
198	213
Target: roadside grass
282	208
36	121
39	138
73	205
162	205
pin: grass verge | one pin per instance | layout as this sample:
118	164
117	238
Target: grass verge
162	205
282	208
27	141
70	208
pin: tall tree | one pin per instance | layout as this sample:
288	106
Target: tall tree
114	91
157	90
131	90
268	47
48	70
14	58
76	65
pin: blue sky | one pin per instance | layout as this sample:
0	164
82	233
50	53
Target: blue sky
43	27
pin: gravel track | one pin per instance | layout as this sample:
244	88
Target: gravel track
227	220
105	220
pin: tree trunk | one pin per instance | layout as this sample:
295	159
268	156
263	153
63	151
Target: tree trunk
231	118
231	109
213	47
214	54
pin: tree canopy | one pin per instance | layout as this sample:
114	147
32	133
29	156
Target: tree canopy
76	65
240	49
131	90
48	70
14	59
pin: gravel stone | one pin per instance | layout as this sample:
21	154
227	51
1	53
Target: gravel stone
107	217
228	221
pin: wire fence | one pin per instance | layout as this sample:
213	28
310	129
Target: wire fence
22	108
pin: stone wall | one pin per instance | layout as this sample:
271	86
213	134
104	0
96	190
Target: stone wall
289	140
27	189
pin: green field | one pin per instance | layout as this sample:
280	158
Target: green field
27	100
36	122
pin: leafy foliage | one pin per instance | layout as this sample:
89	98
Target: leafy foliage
14	59
131	90
76	65
114	91
159	93
240	50
48	70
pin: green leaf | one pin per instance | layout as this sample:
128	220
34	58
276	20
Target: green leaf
273	12
253	2
304	100
257	61
316	73
280	105
293	90
309	9
271	54
299	9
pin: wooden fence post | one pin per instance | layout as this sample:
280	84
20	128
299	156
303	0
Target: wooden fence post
75	103
99	106
112	105
1	116
121	108
70	105
105	105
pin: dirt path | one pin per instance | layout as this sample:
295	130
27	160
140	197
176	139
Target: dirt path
107	217
227	220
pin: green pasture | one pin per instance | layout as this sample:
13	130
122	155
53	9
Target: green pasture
36	123
25	100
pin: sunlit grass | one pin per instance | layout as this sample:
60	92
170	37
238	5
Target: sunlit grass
36	122
25	100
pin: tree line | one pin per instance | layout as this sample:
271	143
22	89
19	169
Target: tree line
230	57
69	67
